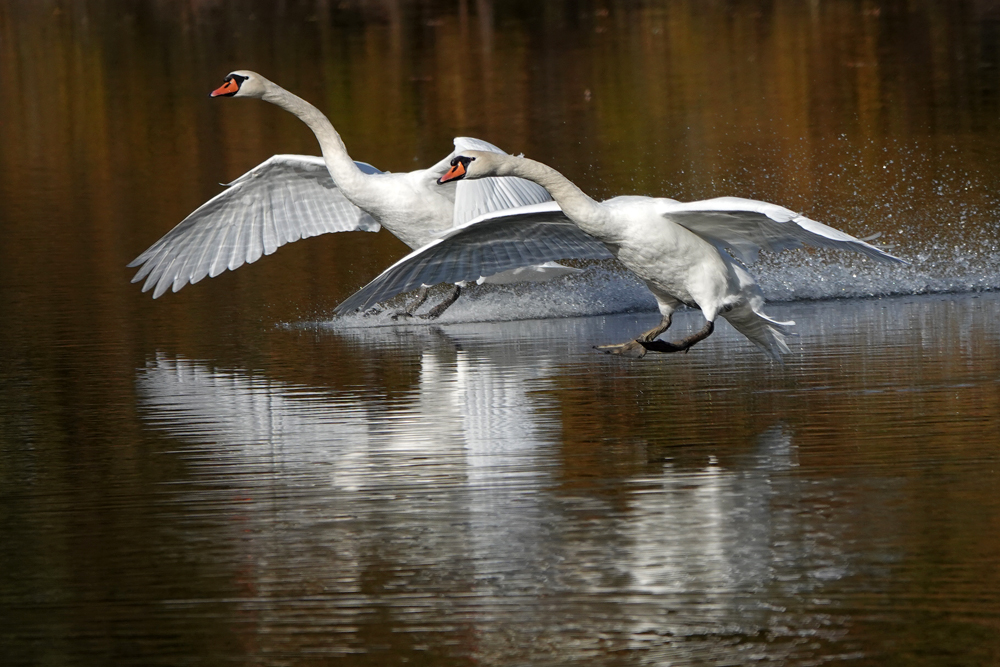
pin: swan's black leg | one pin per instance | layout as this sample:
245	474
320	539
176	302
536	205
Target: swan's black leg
436	311
682	345
636	349
419	301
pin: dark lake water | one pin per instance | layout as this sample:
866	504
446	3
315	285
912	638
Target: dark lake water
229	475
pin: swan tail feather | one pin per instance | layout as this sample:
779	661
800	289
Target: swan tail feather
765	332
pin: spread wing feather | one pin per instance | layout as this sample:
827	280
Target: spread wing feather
483	247
747	226
284	199
474	198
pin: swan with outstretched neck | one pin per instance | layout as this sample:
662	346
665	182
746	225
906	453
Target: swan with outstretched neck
681	251
289	197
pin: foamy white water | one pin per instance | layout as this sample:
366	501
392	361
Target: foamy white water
607	287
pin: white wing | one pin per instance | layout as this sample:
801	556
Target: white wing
747	226
483	247
478	197
284	199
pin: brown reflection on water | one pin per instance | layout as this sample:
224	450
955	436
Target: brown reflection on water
935	361
667	507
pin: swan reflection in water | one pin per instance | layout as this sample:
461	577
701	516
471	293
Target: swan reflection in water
450	498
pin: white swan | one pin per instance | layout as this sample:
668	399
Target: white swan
289	197
679	250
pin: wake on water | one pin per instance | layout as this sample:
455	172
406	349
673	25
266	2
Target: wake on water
605	288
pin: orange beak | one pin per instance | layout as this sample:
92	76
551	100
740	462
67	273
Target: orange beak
457	171
228	88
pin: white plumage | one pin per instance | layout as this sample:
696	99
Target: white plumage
679	250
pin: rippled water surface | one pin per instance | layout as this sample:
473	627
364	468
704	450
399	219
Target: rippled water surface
228	475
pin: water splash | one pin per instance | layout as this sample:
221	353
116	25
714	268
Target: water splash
607	288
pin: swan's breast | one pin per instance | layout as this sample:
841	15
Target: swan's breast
672	258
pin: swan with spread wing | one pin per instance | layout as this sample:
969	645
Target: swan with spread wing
291	197
681	251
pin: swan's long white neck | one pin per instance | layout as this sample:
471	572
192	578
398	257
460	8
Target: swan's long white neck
338	161
588	214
